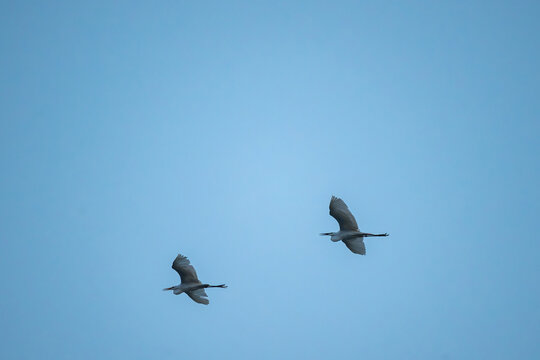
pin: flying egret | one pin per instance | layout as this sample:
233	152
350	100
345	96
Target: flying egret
348	229
190	284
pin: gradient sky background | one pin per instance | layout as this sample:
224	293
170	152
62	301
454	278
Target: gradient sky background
131	131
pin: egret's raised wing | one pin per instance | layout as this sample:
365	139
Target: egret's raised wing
340	212
356	245
199	296
184	268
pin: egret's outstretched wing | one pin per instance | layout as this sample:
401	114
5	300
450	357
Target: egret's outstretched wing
184	268
356	245
340	212
199	296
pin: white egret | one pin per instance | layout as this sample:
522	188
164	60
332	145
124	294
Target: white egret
190	284
348	229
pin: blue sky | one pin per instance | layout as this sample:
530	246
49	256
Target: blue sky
131	131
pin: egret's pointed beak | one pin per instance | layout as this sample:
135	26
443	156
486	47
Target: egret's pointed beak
171	288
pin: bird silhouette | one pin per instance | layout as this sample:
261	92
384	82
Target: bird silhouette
348	228
189	282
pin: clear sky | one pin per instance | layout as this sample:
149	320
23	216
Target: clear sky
132	131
